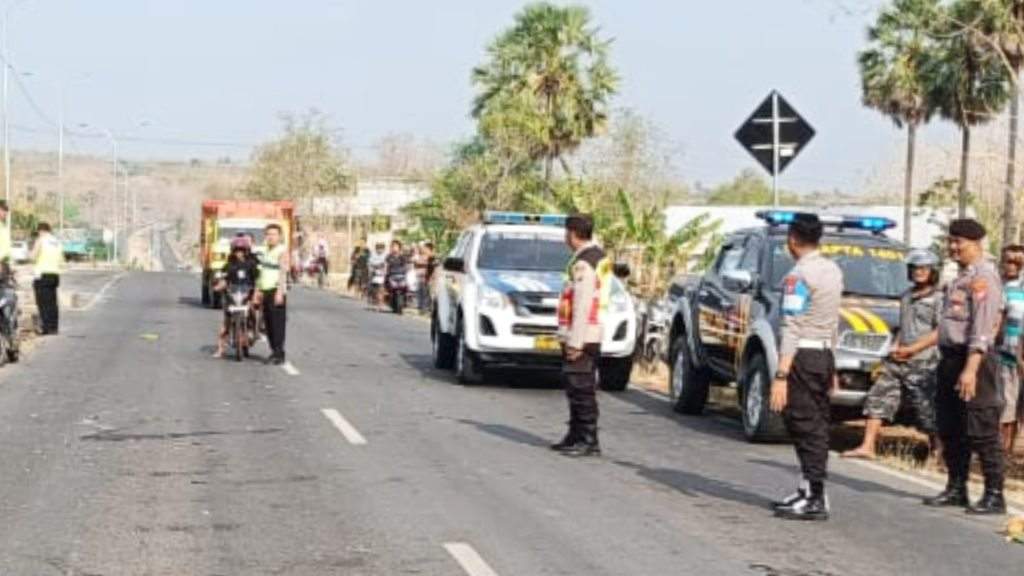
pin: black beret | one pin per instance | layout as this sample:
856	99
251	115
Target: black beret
967	228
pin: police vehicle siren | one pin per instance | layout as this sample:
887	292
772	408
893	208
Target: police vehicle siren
494	217
873	224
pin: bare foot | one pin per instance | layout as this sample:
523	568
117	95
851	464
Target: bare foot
859	454
218	354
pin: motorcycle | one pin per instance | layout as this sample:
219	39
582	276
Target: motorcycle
315	269
376	285
9	341
398	292
654	335
241	327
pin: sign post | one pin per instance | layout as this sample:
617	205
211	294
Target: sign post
774	135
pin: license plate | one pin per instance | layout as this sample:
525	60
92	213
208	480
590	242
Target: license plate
233	309
547	343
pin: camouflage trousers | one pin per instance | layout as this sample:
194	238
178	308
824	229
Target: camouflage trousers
904	383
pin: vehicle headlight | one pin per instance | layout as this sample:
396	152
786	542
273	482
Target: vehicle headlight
488	297
619	302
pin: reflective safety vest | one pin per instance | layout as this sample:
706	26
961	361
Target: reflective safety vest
5	242
49	257
598	306
270	268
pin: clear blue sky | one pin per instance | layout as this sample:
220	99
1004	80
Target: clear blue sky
221	70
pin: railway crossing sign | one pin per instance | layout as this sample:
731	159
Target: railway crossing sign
774	134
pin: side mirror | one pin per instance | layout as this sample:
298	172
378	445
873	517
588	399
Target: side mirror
739	280
621	270
453	264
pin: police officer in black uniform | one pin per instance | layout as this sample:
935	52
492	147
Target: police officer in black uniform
968	402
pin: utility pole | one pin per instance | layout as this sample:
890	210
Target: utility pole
7	123
60	161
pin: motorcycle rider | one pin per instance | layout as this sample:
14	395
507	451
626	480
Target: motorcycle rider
241	270
322	254
396	265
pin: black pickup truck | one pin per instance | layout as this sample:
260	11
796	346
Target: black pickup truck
726	324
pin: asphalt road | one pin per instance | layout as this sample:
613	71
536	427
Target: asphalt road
128	450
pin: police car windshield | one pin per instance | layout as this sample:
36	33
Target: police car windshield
868	269
527	251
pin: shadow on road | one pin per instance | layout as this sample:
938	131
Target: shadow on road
509	433
507	378
662	408
192	301
855	484
695	485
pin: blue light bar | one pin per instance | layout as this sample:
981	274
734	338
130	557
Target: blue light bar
492	217
876	224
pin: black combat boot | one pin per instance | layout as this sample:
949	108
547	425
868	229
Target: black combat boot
955	494
992	502
568	441
814	507
586	443
802	491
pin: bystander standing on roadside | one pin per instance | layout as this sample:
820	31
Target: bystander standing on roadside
48	255
428	281
908	375
1011	344
419	262
968	403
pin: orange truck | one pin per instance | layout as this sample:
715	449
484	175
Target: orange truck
222	220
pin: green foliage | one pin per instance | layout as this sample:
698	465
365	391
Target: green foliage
894	67
748	188
301	164
546	84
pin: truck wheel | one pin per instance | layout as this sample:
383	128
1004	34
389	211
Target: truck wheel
688	385
760	424
614	373
442	346
467	365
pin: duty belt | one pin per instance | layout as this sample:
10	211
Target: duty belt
807	344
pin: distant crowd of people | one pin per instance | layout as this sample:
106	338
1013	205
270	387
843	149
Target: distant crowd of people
371	269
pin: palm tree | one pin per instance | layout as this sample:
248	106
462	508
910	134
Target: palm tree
968	82
1002	21
892	79
552	60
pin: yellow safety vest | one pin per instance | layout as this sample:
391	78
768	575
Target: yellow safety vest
270	268
49	257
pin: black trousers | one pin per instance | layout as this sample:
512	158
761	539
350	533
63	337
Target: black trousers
45	288
967	427
275	318
580	380
808	410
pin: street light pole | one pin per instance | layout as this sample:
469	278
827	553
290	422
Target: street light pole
60	161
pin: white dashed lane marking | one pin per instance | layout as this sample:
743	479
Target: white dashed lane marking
347	430
470	561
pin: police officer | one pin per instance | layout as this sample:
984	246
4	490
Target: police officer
48	254
272	291
580	329
968	402
811	296
5	240
909	372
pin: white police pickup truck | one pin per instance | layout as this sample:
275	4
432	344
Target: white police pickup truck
496	301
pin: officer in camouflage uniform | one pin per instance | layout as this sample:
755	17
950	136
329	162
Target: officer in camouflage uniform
909	373
968	402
